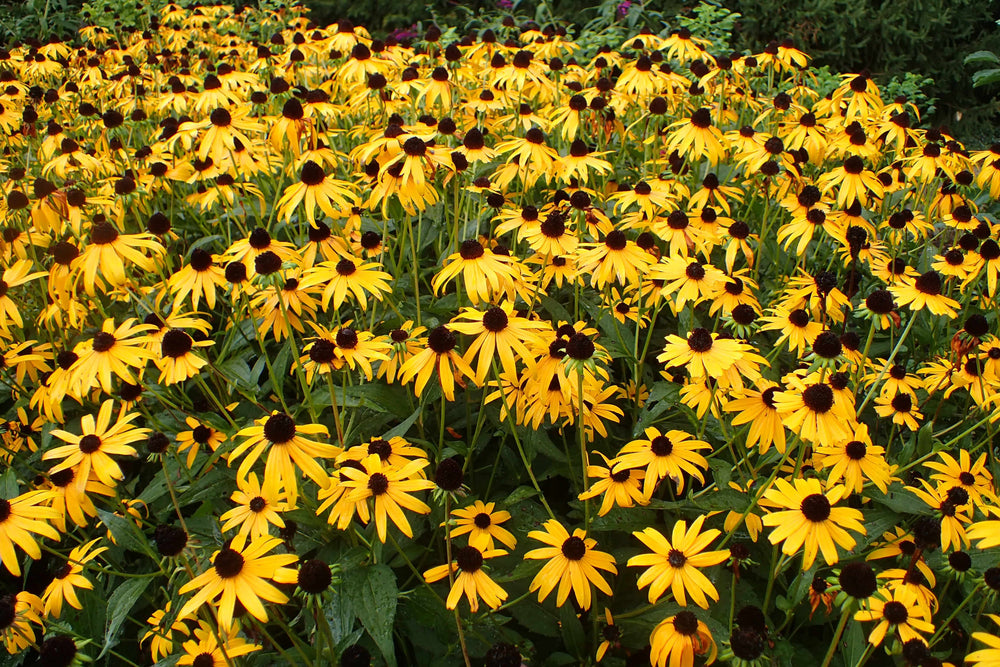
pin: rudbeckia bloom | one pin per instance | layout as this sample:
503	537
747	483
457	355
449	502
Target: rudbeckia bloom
178	361
109	253
499	334
481	522
287	449
703	353
483	272
19	518
898	611
924	292
204	649
91	451
812	413
471	579
258	507
199	279
348	276
111	350
986	657
240	571
622	488
616	259
314	189
676	563
389	488
663	455
68	578
807	519
678	639
19	612
854	461
17	274
573	564
192	441
696	137
440	358
758	409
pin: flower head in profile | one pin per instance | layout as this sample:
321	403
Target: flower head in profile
678	639
472	580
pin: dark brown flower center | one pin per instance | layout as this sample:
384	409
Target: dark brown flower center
378	483
279	428
469	559
176	343
89	444
856	450
574	548
676	558
258	504
815	507
661	445
818	398
495	319
229	563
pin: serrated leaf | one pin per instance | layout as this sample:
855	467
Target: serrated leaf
120	603
374	595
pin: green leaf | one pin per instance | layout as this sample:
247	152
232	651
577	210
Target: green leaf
402	428
374	595
120	604
125	533
519	494
982	57
856	643
986	77
572	630
8	485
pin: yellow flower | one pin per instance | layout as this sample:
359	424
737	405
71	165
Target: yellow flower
259	507
573	564
471	579
19	518
68	578
808	520
676	563
241	571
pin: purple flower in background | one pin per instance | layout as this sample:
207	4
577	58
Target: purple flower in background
623	7
505	4
399	34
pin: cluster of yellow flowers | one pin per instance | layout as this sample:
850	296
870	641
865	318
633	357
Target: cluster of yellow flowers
693	255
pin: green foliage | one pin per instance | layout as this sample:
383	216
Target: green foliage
38	19
711	21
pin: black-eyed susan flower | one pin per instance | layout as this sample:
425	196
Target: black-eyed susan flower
289	452
108	254
20	612
91	451
703	353
211	648
500	334
805	518
663	455
697	137
573	564
484	273
199	279
161	639
390	489
925	291
758	409
675	564
438	358
21	518
112	350
677	639
315	189
616	259
69	578
963	472
898	612
481	522
200	435
990	655
258	507
471	579
812	412
621	489
241	571
17	274
854	462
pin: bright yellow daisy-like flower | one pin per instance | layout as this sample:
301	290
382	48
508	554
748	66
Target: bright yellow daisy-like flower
676	640
22	610
20	517
500	333
259	507
314	189
854	461
758	409
697	137
662	455
573	564
287	450
897	611
17	274
390	489
200	434
483	272
348	276
703	353
471	579
924	292
622	488
812	412
676	563
91	451
161	639
804	518
240	571
481	522
111	351
109	253
989	656
69	578
438	358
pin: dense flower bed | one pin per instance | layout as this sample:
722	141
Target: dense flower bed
324	349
